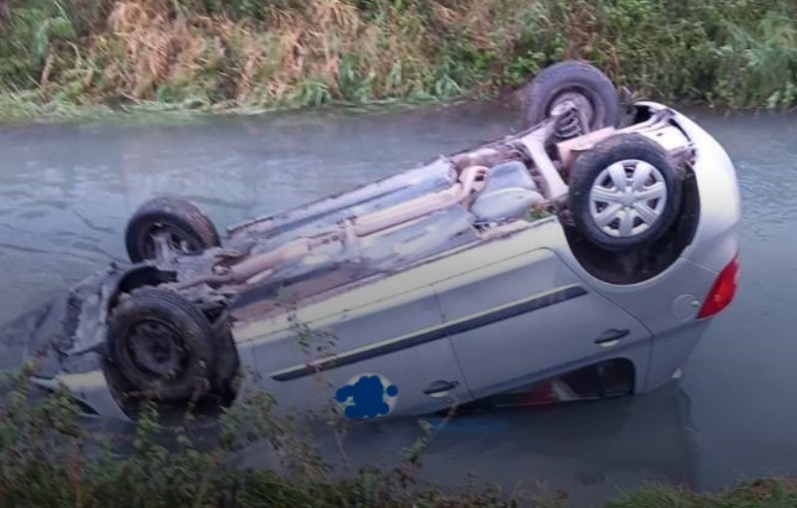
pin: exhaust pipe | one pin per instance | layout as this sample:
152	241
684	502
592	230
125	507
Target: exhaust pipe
473	179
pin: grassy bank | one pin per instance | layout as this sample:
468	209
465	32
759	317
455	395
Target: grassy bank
60	57
47	459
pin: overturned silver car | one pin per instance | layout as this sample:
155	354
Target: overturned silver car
600	241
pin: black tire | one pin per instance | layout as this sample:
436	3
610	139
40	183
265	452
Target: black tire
227	363
181	325
589	167
182	219
573	76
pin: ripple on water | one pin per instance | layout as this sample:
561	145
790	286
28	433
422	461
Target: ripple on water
769	196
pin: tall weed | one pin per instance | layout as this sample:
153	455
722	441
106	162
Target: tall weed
241	53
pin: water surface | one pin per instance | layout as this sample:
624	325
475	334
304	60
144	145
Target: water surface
66	192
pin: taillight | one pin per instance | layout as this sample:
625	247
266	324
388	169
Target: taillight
723	291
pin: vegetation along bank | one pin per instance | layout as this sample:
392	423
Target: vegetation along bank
49	459
225	55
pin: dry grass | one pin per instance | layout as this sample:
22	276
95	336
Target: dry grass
246	53
327	49
774	492
148	47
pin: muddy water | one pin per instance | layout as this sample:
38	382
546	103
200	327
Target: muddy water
66	191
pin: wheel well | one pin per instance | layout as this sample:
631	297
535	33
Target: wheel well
224	391
641	264
137	278
144	276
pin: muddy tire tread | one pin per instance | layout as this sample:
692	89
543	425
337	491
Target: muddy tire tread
194	328
173	209
544	86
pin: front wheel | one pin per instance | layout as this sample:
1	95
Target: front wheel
161	344
585	86
174	222
625	192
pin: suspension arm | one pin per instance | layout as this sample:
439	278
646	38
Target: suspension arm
554	186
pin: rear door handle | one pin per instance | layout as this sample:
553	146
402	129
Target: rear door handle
612	335
439	388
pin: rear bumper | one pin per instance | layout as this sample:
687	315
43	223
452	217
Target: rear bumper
715	245
716	239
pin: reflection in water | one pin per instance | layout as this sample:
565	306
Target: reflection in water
588	449
66	192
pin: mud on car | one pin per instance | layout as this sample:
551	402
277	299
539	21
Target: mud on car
584	256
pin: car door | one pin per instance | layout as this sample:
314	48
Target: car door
391	357
529	316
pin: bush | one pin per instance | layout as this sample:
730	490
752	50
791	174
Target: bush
241	53
47	459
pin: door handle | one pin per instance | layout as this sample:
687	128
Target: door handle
438	388
612	335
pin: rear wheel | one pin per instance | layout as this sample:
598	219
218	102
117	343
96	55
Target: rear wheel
162	344
580	83
177	222
625	192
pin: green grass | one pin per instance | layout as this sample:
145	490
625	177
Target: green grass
60	58
759	493
47	459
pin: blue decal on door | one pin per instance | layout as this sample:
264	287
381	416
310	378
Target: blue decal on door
367	396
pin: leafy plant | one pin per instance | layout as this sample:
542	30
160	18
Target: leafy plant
246	54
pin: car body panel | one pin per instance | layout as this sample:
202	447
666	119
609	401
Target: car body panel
670	352
718	228
509	241
397	339
540	317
